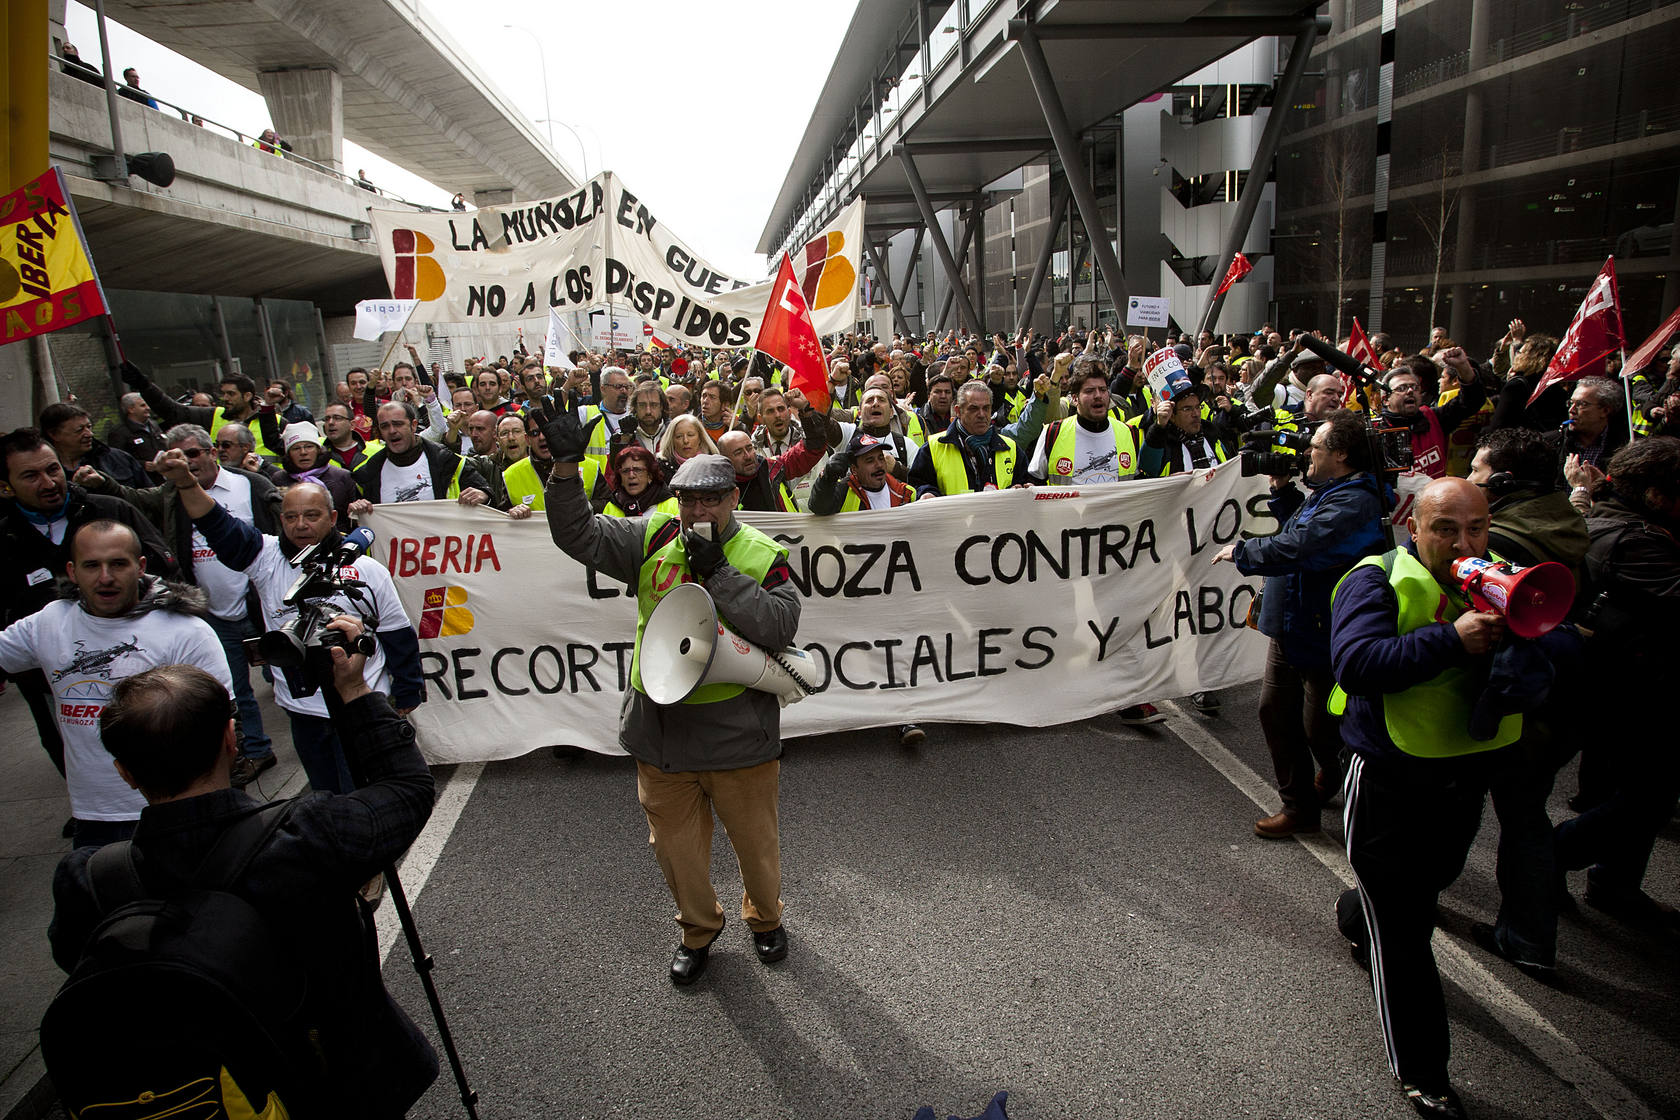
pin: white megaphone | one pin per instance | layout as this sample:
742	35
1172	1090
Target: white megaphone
684	646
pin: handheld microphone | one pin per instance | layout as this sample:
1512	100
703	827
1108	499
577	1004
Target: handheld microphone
355	545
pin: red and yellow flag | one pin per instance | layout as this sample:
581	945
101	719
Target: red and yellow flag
47	280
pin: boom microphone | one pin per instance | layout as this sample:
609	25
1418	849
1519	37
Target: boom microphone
1340	359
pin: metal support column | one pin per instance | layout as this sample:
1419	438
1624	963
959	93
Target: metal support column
880	260
265	331
1261	169
953	272
962	265
1058	207
329	368
1073	166
220	322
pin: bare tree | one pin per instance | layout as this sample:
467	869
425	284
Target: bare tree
1343	173
1436	217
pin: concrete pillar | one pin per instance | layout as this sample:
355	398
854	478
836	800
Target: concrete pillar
55	25
307	107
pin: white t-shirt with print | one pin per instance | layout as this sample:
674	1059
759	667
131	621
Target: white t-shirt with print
1094	457
84	657
224	587
412	483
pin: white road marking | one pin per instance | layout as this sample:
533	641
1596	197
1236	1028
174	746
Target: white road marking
1597	1086
416	866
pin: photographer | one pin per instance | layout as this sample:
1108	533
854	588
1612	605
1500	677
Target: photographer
170	733
307	518
1323	535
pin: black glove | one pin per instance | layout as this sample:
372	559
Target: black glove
133	376
561	428
705	554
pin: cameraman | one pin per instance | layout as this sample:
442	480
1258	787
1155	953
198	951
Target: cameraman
170	732
307	518
1323	535
1431	425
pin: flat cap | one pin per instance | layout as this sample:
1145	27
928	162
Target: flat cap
705	472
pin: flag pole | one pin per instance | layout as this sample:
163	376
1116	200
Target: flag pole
1627	391
398	340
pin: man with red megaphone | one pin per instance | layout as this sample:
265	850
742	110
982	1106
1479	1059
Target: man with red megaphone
1407	648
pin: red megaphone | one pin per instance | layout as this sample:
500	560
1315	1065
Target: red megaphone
1532	599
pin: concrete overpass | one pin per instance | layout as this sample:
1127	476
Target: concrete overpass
378	72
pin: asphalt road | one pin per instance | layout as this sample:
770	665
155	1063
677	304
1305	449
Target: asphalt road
1079	915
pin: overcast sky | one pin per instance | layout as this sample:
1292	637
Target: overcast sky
699	110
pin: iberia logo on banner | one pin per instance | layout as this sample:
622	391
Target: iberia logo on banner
418	275
47	281
442	614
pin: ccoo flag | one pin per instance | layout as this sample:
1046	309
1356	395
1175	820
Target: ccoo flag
1593	335
1240	267
788	335
46	277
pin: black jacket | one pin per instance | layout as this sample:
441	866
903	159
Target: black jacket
143	441
117	463
25	551
442	462
303	881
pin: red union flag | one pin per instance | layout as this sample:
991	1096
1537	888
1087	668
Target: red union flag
47	280
788	335
1240	267
1653	346
1360	346
1593	335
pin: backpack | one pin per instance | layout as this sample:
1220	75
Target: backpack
183	1005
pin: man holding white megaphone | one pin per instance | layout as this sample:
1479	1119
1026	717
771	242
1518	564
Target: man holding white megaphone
702	716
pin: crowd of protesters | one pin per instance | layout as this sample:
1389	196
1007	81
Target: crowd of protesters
1571	476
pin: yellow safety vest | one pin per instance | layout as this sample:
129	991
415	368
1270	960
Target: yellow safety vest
1432	719
749	552
948	465
1058	458
669	505
220	418
523	484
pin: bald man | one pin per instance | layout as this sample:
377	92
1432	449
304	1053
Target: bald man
1407	651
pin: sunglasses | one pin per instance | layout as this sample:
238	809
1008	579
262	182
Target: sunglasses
193	452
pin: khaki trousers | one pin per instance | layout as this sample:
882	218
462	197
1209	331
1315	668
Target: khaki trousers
679	809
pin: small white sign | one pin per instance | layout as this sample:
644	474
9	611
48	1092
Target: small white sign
618	332
1146	311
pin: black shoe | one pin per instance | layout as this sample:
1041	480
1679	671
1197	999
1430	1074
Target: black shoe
1487	937
1141	715
1361	954
1439	1106
1207	703
246	769
688	965
1634	907
771	945
909	735
69	829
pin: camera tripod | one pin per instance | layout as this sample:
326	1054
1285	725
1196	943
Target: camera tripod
423	965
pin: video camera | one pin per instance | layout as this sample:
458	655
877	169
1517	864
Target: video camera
1391	447
1273	451
302	651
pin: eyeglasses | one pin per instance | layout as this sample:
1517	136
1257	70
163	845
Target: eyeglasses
708	499
632	468
193	452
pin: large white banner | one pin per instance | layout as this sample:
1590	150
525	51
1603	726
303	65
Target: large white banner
601	247
1033	607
